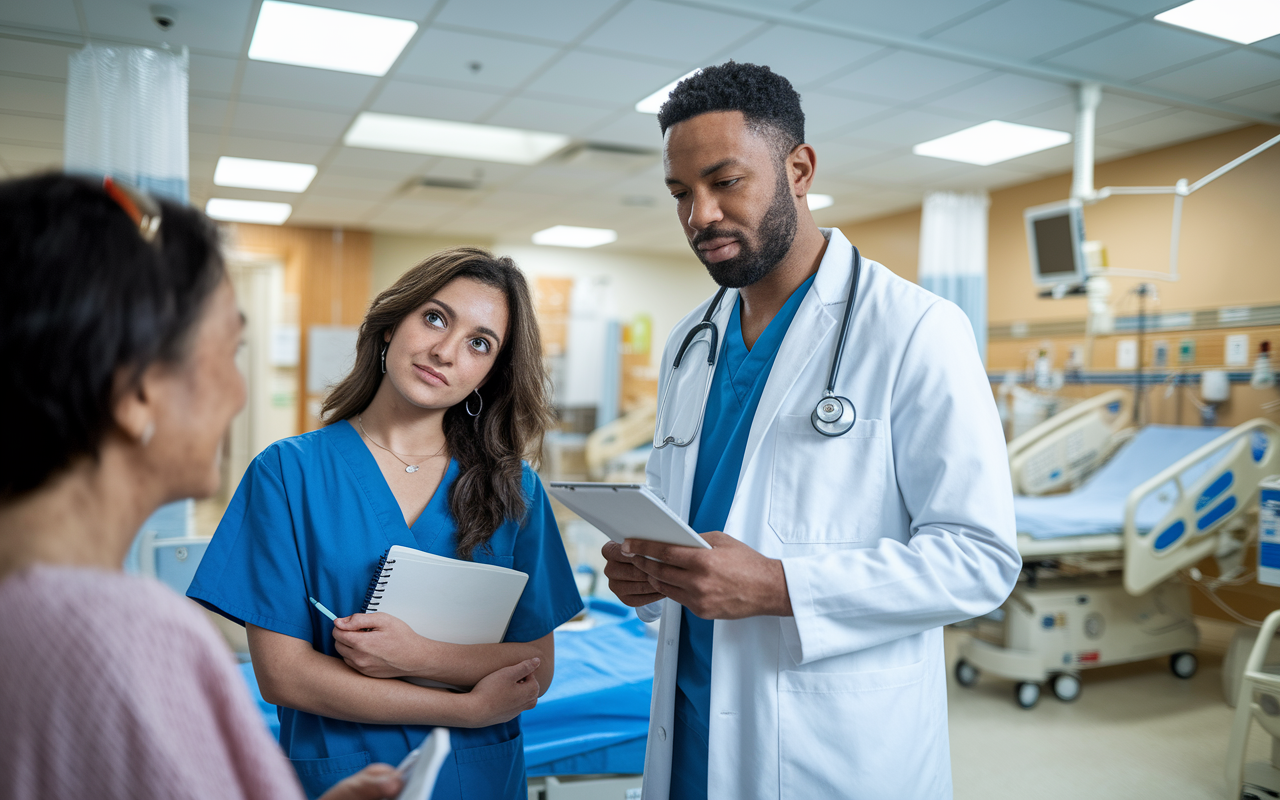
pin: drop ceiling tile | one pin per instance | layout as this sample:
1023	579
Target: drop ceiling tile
220	27
31	159
1271	44
324	209
903	77
58	15
1176	127
563	181
396	9
524	18
488	223
206	113
359	161
912	17
586	76
487	173
212	74
274	149
200	170
1267	100
572	119
301	123
632	128
1232	72
204	144
434	102
36	131
304	86
671	32
1003	97
1139	8
516	198
1138	50
802	56
824	113
837	157
974	179
446	55
1115	109
32	96
31	58
906	171
1057	160
404	217
359	187
237	193
907	128
1023	29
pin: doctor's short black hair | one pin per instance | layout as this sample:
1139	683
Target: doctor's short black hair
768	102
86	305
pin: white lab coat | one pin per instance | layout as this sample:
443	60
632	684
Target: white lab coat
887	533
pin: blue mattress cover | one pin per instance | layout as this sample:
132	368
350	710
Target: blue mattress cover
1097	507
595	717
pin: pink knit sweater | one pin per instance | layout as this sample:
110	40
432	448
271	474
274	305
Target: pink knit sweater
115	687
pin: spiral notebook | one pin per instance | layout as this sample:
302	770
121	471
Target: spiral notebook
445	599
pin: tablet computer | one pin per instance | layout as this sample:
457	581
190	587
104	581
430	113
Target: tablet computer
626	511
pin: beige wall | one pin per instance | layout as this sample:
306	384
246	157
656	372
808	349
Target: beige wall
394	254
893	241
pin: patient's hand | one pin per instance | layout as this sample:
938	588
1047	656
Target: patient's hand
374	782
380	645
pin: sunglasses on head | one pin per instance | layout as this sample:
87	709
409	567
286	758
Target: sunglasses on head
144	211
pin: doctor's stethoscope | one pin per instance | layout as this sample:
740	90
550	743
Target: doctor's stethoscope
832	416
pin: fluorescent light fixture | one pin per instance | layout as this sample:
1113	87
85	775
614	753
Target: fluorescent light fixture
817	201
991	142
288	33
653	102
253	173
1243	21
248	211
439	137
570	236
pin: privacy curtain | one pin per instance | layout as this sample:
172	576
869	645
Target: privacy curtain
953	254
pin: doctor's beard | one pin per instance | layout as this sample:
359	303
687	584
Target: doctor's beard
773	239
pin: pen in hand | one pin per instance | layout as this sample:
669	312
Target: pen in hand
322	609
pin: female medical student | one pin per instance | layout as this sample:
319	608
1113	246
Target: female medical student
422	448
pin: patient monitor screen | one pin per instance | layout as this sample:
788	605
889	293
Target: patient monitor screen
1055	253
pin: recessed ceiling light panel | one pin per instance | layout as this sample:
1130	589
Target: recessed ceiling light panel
991	142
571	236
253	173
817	201
248	211
452	139
289	33
653	102
1243	21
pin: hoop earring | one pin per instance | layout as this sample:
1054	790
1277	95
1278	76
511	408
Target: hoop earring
467	404
384	357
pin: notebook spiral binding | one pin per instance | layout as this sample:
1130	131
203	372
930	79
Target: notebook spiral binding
379	580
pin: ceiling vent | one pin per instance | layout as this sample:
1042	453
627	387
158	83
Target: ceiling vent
439	189
608	157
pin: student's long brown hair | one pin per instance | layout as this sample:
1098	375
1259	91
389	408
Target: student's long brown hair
515	414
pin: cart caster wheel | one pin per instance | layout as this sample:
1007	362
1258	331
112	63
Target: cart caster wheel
1065	687
966	673
1026	694
1183	664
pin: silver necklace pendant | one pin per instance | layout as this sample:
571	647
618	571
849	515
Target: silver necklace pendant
411	468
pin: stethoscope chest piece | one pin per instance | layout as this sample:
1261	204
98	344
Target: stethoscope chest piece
833	416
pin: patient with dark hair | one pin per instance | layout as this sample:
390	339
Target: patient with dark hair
118	335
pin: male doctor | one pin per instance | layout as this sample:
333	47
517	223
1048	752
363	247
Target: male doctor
801	657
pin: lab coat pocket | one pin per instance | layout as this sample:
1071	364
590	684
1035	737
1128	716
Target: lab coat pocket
839	730
317	775
822	484
492	771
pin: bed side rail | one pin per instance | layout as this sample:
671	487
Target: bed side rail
1064	449
1185	534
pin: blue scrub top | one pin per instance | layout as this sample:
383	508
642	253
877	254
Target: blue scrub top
735	393
312	517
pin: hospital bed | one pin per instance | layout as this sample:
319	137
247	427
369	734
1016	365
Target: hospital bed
1062	451
1258	701
1100	579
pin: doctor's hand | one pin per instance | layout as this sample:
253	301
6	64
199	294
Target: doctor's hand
379	645
626	581
729	581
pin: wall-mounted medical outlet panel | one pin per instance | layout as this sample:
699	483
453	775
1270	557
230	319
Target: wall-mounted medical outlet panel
1238	350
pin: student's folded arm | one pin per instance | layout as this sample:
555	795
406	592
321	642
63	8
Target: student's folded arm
466	664
292	674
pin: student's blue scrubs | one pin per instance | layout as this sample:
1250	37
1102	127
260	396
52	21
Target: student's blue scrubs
735	393
311	518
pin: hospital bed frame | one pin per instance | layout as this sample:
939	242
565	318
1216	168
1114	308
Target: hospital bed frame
1065	449
1086	614
1258	701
